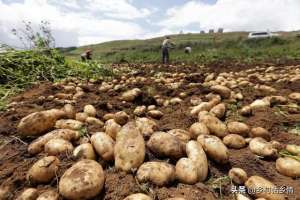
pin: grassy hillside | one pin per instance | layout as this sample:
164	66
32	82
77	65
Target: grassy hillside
206	48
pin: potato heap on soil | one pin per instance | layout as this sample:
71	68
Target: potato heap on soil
166	132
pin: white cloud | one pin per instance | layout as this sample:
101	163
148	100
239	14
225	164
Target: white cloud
236	15
70	26
121	9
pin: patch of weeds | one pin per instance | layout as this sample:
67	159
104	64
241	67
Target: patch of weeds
83	132
279	112
218	183
295	130
285	153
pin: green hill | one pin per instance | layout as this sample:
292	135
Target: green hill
206	48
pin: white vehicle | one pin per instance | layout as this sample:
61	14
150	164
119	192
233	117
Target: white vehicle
261	34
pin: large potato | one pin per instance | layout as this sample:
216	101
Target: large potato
38	145
294	149
196	153
121	117
90	110
186	171
68	124
112	128
146	126
84	180
234	141
224	91
260	132
218	110
203	106
215	126
159	173
94	121
130	95
182	135
288	167
138	196
214	148
84	151
81	116
261	147
29	194
44	170
39	122
129	151
69	111
165	145
48	195
238	128
57	146
198	129
255	183
238	175
104	145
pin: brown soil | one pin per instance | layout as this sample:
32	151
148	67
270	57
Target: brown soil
15	161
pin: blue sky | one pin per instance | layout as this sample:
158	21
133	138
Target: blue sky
82	22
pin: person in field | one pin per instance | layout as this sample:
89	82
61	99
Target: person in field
87	55
167	44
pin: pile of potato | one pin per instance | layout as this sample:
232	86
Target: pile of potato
124	138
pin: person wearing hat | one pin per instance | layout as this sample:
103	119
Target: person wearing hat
87	55
166	45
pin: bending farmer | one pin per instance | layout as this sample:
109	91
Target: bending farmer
87	55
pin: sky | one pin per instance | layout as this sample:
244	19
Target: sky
84	22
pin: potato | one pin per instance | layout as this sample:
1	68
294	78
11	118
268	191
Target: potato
39	122
90	110
238	128
255	183
48	195
215	126
196	153
121	117
139	110
130	95
218	110
261	147
58	146
295	96
138	196
84	151
146	126
294	149
260	132
38	144
198	129
104	145
44	170
204	106
68	124
29	194
186	171
108	116
260	104
176	198
238	176
159	173
182	135
288	167
234	141
245	111
69	111
156	114
112	128
84	180
242	197
165	145
214	148
82	116
221	90
129	151
94	121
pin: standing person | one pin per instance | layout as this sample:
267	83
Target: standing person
166	45
87	55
